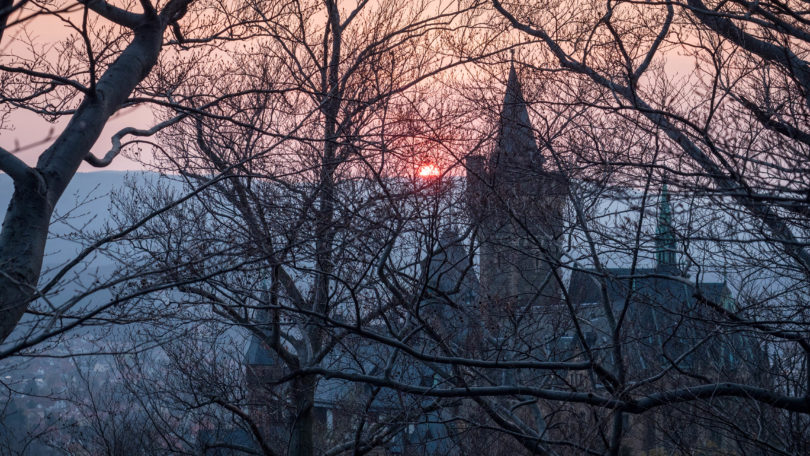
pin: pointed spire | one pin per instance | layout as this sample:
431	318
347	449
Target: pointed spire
517	146
665	245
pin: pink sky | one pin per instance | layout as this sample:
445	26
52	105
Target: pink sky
23	128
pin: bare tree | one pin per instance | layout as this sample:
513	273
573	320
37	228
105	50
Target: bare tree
627	254
95	86
311	188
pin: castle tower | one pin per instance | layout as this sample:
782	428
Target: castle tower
263	367
516	205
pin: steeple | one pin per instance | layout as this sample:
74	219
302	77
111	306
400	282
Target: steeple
516	144
665	245
516	206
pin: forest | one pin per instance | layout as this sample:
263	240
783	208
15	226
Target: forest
420	227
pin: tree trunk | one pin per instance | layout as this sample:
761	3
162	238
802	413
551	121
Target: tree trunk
303	430
25	227
22	245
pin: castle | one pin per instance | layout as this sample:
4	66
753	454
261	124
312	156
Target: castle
514	307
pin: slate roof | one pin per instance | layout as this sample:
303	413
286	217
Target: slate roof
258	354
226	441
451	277
654	321
646	283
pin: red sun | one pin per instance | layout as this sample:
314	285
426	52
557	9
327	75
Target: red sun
429	171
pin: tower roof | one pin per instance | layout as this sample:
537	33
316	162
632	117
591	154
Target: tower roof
665	244
516	144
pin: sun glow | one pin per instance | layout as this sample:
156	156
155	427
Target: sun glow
429	171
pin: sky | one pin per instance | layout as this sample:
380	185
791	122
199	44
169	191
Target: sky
22	128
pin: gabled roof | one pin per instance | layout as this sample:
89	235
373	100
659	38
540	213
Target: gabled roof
450	270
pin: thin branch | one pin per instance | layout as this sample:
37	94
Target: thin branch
116	141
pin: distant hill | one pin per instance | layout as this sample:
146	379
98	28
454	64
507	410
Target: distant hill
86	200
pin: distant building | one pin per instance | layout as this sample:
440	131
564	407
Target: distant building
516	205
518	241
664	328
